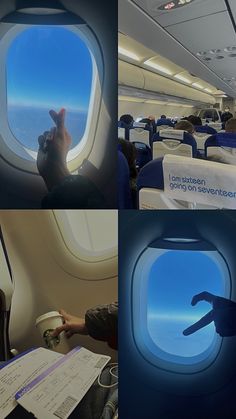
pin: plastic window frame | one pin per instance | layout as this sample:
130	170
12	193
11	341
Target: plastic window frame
74	248
12	150
141	335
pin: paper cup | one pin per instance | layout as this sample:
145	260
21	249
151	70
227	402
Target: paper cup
45	325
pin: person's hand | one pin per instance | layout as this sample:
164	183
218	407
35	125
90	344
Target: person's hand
223	314
71	326
53	149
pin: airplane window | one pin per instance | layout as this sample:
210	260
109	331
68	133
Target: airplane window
47	67
89	233
168	280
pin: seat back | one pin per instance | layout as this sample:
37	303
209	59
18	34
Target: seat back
123	130
143	154
216	126
176	182
121	133
206	129
177	142
201	138
124	192
221	147
6	294
140	132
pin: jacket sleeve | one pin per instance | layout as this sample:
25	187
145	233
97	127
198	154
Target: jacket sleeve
75	192
102	323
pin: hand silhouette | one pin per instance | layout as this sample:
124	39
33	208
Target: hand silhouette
223	314
53	149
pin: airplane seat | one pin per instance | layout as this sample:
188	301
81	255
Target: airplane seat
205	129
6	293
150	186
165	122
124	192
221	147
201	138
177	142
143	154
123	130
215	125
141	132
177	182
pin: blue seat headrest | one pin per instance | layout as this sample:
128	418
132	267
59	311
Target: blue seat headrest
222	139
122	124
205	129
164	121
151	175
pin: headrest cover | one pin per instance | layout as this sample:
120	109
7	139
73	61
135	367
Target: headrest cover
176	134
200	181
139	125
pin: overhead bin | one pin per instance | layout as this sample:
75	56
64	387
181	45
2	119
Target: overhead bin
133	76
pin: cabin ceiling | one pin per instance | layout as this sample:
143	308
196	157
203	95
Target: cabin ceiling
199	37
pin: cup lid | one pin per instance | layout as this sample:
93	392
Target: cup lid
47	316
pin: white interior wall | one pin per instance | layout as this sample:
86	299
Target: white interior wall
137	109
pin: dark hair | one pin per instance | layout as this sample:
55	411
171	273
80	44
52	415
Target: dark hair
163	116
230	125
185	126
127	119
129	151
195	120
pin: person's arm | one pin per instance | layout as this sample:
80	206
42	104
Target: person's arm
100	322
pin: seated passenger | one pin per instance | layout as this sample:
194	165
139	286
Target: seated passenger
185	126
195	120
129	151
230	125
127	119
64	190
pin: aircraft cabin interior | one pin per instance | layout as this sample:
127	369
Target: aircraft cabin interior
177	61
53	260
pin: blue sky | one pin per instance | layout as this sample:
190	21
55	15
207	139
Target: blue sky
49	67
175	278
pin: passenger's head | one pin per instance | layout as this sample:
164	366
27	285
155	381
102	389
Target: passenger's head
185	125
195	120
152	118
129	151
230	125
127	119
163	116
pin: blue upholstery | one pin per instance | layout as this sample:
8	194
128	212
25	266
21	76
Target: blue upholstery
187	139
222	139
122	124
205	129
124	193
151	175
143	154
164	121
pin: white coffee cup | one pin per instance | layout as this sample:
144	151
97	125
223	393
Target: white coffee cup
46	324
